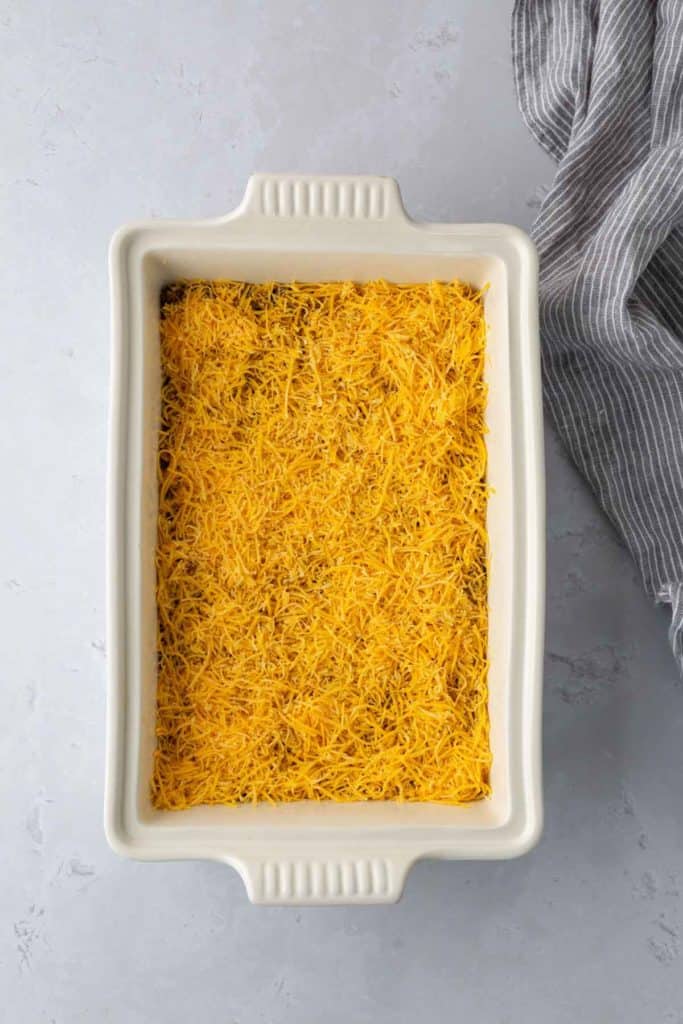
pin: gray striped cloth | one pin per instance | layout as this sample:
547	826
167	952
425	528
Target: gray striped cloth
600	86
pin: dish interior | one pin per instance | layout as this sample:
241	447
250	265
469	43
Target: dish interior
162	266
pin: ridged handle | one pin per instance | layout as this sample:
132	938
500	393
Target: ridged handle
344	198
302	881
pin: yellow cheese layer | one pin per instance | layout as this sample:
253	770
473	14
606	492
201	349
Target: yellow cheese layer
321	555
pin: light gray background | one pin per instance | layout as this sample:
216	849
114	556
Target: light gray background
116	111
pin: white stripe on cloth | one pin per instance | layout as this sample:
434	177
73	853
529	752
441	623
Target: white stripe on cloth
600	86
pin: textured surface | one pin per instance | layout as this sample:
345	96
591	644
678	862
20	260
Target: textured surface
110	115
344	880
301	198
321	544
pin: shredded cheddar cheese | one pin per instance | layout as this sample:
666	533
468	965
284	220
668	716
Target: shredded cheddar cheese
321	554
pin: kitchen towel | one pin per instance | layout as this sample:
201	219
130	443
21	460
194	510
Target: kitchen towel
600	86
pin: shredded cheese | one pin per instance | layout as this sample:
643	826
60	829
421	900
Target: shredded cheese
321	555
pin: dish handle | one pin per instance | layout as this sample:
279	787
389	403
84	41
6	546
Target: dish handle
315	197
324	881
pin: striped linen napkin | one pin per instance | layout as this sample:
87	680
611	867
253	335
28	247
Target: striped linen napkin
600	86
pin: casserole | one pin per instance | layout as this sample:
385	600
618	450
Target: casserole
312	228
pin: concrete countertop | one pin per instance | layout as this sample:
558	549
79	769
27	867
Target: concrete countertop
125	110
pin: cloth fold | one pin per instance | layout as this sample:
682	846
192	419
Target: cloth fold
600	86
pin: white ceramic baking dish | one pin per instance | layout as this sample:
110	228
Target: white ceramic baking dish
313	228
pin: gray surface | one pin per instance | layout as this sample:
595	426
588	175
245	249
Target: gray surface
110	113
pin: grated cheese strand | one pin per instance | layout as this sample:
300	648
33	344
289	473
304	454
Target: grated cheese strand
321	554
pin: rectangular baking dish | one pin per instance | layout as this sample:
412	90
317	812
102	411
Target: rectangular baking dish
314	228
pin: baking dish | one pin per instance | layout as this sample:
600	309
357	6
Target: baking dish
314	228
